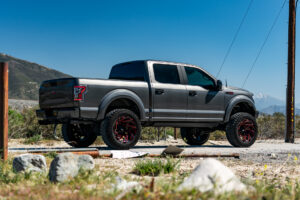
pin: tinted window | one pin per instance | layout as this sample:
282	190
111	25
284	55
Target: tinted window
197	77
166	73
129	71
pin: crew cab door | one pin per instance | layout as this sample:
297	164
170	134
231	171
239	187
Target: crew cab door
205	103
168	94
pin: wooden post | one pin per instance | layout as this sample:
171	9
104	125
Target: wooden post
175	133
290	93
4	110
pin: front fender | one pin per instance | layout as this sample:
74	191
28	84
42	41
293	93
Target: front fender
234	101
120	94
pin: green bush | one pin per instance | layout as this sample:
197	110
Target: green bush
155	133
33	139
218	135
155	167
271	126
25	125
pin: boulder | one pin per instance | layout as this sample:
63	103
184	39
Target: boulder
86	162
67	165
172	151
29	162
211	174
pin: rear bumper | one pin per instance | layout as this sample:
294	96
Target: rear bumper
57	116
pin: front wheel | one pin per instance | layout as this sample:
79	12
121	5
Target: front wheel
79	135
194	136
121	129
241	130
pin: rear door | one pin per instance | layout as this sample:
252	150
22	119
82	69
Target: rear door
169	95
205	103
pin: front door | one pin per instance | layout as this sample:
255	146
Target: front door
205	103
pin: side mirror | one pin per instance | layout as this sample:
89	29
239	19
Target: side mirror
219	85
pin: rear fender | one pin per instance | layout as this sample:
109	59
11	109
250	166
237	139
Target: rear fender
120	94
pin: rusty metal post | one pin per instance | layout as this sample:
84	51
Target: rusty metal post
4	110
290	94
175	133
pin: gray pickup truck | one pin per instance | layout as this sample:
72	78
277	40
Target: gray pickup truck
147	93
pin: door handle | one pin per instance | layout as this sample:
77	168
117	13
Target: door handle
192	93
159	91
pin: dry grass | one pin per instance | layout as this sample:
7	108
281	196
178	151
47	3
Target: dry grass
97	184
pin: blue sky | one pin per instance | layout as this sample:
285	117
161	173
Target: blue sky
85	38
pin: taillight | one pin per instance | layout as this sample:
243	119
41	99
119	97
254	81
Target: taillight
79	93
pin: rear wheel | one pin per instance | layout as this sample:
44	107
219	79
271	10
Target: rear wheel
79	135
194	136
121	129
241	130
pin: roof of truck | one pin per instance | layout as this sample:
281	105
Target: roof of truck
160	61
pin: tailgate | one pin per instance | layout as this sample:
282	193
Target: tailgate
57	93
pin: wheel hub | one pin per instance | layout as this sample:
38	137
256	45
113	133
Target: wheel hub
125	129
246	130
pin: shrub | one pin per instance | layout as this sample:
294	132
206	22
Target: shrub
218	135
16	121
271	126
25	125
155	167
33	140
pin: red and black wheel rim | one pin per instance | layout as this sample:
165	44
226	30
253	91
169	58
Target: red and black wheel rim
124	129
246	130
79	132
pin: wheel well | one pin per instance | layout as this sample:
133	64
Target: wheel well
243	107
125	104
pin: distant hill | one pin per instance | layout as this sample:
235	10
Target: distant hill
269	105
272	109
263	101
25	77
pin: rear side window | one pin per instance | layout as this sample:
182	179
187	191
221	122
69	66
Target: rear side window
197	77
166	73
129	71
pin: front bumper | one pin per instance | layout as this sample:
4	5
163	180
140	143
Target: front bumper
57	116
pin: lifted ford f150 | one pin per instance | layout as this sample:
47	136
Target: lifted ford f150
147	93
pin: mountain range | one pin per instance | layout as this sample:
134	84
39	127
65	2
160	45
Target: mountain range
269	105
25	77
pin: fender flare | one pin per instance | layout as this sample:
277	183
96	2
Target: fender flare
236	100
120	94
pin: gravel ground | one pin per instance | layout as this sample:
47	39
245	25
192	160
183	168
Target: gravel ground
243	169
263	151
265	159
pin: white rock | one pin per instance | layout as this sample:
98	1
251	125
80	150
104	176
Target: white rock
67	165
273	156
86	162
211	174
122	185
29	162
170	137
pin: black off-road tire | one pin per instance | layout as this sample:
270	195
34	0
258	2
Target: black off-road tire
235	130
79	135
193	136
107	129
